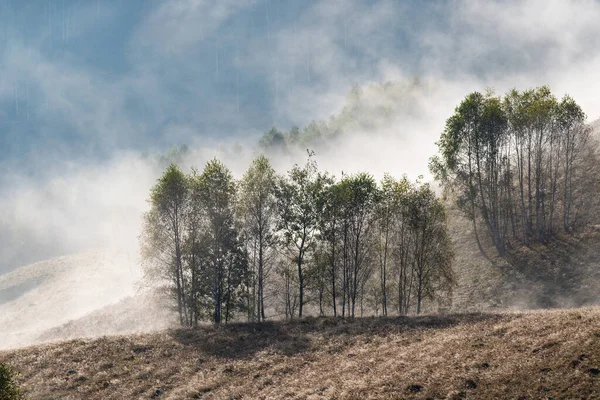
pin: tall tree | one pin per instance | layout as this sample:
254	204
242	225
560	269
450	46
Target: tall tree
217	192
194	251
456	167
329	222
162	235
360	198
258	207
297	203
386	213
574	138
432	249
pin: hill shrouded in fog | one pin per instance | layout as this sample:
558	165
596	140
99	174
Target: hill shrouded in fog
79	295
479	210
44	295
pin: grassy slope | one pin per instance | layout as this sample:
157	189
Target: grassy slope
563	273
545	354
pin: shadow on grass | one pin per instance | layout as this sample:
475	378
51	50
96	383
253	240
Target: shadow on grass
238	341
244	340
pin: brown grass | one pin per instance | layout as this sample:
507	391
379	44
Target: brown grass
535	355
563	273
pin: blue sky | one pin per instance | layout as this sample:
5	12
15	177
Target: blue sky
88	85
83	78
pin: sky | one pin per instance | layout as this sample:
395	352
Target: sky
88	88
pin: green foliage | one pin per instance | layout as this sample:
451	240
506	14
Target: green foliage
227	260
514	162
162	237
298	197
170	191
257	190
8	387
432	247
190	242
221	247
257	207
273	139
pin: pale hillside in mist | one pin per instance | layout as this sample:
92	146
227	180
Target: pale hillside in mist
90	294
40	296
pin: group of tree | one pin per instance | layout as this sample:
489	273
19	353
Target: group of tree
270	245
366	109
522	167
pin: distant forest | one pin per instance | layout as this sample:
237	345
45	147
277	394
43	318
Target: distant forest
366	109
522	167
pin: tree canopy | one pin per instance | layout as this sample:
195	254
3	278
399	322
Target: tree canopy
515	163
272	245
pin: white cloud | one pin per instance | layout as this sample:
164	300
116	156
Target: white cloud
175	27
310	65
458	47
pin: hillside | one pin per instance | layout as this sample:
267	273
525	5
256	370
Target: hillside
41	296
133	314
92	294
544	354
565	272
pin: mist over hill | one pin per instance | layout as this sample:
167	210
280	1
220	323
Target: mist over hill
46	294
374	127
98	98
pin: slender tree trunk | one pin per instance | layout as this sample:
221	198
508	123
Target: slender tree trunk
333	273
566	189
255	302
261	304
217	294
383	269
419	294
345	271
183	319
355	272
301	277
321	311
228	296
193	307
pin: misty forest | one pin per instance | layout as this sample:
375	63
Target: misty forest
361	199
519	167
227	247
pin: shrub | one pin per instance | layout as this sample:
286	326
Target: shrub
8	388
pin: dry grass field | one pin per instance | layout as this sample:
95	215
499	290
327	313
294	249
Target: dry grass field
563	273
531	355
